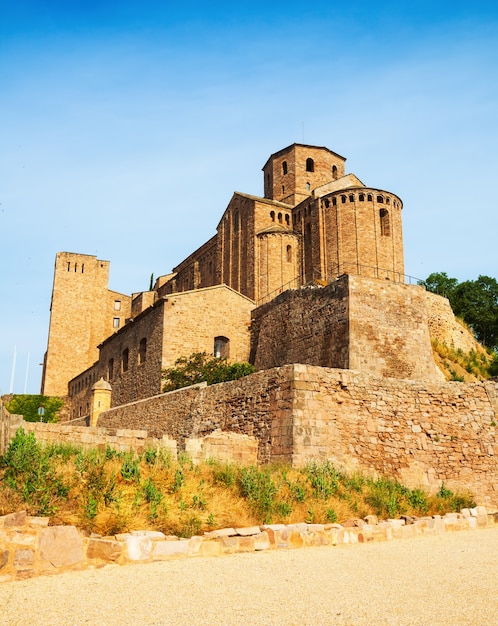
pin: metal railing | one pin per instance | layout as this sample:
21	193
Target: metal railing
357	269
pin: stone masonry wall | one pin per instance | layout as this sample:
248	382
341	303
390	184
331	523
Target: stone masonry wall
421	434
258	405
444	327
303	326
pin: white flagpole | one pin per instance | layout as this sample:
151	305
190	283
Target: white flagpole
13	372
26	378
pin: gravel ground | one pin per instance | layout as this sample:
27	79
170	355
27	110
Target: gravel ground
449	579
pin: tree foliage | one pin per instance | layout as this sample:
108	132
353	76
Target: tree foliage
199	367
27	405
475	301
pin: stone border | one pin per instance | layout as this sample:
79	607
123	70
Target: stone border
30	547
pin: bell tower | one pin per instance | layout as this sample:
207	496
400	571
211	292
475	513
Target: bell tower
291	174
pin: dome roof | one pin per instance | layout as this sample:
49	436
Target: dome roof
102	384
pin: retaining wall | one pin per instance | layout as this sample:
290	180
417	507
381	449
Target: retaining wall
30	547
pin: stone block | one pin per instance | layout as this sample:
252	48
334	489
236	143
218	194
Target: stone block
210	548
230	544
105	549
14	519
38	522
155	535
262	541
296	539
246	543
222	532
194	545
165	549
24	559
250	530
61	546
138	547
4	559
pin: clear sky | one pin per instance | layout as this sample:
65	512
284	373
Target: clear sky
126	126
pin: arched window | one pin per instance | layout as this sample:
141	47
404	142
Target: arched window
380	199
343	199
361	197
388	200
369	197
272	215
287	220
310	165
308	186
289	254
124	360
284	167
334	201
221	347
351	198
385	226
142	351
334	172
280	218
326	203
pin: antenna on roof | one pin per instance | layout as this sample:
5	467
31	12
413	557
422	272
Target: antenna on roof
303	130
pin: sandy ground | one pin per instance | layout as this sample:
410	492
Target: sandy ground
449	579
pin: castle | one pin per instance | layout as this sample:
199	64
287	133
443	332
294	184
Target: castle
242	294
307	284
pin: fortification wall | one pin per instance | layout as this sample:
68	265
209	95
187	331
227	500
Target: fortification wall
389	330
259	405
444	326
423	434
360	323
303	326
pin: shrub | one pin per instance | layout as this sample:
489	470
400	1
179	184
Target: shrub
200	367
27	405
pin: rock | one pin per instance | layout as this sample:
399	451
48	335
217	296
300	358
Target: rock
15	519
61	545
105	549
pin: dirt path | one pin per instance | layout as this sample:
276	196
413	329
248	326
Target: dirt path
449	579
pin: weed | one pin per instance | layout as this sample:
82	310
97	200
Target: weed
151	493
226	475
90	508
283	509
130	468
323	478
258	487
331	516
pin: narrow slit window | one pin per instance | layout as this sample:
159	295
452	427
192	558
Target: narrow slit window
142	351
125	360
310	165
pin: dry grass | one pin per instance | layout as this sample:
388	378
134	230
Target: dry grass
106	492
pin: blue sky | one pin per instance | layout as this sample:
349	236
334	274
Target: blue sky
125	127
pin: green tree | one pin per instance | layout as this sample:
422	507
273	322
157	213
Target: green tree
441	283
199	367
476	302
28	405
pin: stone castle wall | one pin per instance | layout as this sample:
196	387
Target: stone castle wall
423	434
445	327
359	323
